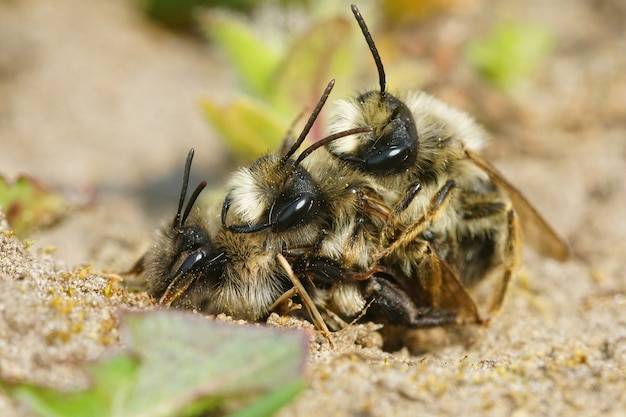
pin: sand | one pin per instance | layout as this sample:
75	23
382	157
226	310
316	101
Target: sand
101	105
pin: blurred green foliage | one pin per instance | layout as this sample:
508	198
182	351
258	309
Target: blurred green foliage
278	81
282	74
510	53
180	364
28	205
180	13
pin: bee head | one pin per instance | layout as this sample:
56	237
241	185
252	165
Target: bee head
276	192
197	256
392	146
188	252
270	195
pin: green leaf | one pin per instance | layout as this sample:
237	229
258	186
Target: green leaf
288	84
198	358
313	59
181	364
254	60
510	53
112	380
272	402
29	205
249	127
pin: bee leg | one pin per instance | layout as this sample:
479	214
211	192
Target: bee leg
370	202
391	227
356	231
512	256
406	201
317	248
175	289
306	299
324	269
284	303
393	306
437	204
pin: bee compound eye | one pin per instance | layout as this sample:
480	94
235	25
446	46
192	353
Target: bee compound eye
285	215
390	159
396	147
201	259
191	261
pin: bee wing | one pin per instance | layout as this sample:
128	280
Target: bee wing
435	285
535	229
453	295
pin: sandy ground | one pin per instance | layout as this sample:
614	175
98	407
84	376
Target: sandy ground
94	99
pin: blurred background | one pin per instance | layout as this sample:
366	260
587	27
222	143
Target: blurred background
101	100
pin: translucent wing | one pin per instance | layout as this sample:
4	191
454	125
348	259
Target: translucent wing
434	285
454	296
535	229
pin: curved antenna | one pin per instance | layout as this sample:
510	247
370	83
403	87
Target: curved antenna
372	46
179	219
192	201
183	191
329	139
309	123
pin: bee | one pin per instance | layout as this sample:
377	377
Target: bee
308	209
198	262
453	216
292	199
342	270
195	263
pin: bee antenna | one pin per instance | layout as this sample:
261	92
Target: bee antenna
309	123
329	139
192	201
179	219
372	46
183	191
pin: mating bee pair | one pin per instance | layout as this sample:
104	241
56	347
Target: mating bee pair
393	217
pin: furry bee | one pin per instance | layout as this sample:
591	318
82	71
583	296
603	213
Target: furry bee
292	200
312	211
321	214
452	213
199	262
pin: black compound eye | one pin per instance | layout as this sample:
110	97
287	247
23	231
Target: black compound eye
286	214
192	260
396	148
389	159
194	244
298	203
202	260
